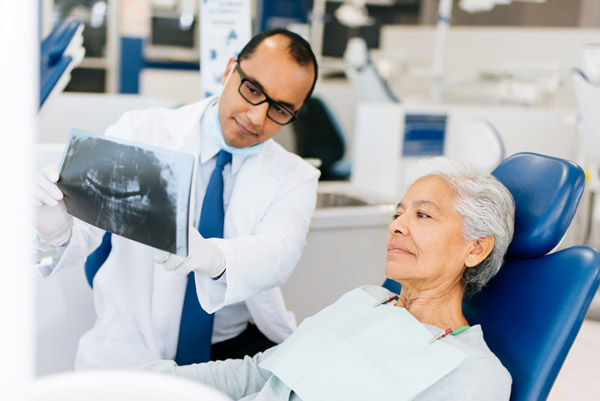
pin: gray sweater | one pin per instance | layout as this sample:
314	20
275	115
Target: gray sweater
480	378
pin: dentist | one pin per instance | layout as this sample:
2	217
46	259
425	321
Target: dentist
269	196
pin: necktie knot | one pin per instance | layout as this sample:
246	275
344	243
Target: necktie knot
223	157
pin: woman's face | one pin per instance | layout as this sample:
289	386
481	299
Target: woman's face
425	245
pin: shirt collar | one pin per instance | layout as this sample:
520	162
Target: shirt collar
210	147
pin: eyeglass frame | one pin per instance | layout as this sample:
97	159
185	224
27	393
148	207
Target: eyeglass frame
267	99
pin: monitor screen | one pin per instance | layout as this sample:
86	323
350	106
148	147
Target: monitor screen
424	135
167	31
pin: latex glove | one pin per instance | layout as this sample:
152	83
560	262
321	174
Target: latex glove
54	225
204	257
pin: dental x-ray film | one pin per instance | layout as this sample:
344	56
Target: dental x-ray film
130	189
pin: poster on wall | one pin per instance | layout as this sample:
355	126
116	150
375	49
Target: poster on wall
130	189
224	30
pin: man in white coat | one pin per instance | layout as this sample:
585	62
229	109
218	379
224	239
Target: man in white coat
269	197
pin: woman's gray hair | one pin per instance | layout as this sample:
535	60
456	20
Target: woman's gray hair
485	205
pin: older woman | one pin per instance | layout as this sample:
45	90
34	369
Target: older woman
447	239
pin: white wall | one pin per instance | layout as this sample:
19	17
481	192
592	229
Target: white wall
180	85
19	94
89	111
471	50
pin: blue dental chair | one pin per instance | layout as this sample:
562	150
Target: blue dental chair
61	51
532	310
319	135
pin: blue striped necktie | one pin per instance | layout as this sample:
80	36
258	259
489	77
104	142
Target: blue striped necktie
195	330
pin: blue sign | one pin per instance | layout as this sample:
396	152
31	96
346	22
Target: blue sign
424	134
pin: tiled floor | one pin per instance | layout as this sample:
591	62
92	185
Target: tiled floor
579	378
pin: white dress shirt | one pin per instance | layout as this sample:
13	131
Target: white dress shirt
232	319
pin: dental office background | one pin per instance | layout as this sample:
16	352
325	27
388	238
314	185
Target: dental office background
483	78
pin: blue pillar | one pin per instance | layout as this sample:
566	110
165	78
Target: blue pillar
132	61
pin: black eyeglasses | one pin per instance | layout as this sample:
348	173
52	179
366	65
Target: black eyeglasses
255	96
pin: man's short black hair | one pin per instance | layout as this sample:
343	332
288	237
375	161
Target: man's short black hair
298	48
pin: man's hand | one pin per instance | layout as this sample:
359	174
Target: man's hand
204	258
54	225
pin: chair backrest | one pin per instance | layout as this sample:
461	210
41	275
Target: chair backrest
533	308
319	134
61	51
477	141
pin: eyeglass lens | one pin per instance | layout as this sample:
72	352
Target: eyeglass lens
255	96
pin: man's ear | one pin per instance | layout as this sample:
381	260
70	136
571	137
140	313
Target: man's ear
228	71
480	249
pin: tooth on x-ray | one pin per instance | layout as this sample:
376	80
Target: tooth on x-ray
130	189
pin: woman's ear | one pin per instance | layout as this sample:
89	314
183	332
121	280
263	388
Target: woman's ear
480	250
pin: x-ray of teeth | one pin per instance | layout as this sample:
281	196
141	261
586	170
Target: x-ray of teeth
130	189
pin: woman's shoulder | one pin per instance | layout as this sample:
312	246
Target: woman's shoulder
481	377
478	378
473	343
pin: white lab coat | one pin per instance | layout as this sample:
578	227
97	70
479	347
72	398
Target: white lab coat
138	303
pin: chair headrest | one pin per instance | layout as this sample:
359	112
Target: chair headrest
546	192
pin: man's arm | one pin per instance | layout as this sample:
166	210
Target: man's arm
265	258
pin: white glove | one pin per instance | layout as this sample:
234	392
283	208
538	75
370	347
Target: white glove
204	257
54	225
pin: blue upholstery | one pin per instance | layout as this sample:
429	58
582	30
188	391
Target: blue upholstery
53	59
547	191
531	311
